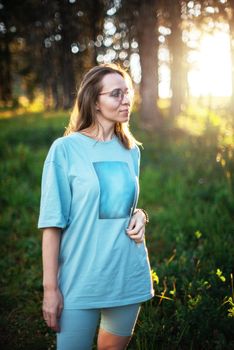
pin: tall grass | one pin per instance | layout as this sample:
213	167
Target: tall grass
186	186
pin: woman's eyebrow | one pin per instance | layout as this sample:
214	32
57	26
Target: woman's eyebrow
120	88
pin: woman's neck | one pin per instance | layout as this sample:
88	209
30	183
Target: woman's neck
98	134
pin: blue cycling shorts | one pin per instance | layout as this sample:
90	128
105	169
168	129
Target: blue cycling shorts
78	326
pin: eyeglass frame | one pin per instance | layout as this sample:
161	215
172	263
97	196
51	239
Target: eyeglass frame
122	95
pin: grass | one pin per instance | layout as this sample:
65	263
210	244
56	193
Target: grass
187	188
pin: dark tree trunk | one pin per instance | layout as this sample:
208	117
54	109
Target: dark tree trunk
67	70
5	71
96	23
148	49
54	87
47	72
176	47
68	82
5	56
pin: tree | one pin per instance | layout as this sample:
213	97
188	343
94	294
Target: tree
231	25
48	45
178	59
141	18
5	68
147	28
93	22
6	38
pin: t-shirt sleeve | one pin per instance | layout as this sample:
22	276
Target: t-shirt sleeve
55	189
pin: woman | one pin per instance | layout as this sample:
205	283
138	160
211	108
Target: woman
95	263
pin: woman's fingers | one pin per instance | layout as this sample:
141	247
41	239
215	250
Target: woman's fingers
137	234
132	223
133	230
136	228
60	309
52	308
52	320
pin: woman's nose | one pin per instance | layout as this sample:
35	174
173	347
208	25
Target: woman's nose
126	98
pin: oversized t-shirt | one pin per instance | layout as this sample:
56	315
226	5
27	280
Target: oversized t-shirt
89	190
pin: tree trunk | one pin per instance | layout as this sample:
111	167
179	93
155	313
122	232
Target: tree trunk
96	25
231	23
148	50
68	81
5	68
176	47
54	87
67	70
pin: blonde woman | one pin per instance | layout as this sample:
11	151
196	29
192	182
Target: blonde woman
95	262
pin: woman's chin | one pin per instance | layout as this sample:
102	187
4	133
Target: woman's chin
125	117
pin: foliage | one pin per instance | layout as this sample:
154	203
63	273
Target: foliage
190	201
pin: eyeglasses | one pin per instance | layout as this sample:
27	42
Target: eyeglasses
119	94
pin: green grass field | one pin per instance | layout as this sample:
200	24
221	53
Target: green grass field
187	186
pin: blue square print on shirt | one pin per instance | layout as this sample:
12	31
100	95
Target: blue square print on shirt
117	189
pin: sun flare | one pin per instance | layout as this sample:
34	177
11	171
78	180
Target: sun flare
211	67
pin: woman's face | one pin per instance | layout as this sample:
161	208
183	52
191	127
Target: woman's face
114	101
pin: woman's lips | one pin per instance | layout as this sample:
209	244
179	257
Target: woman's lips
125	110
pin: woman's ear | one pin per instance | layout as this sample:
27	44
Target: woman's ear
97	107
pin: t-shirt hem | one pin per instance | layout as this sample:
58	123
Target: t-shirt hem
45	224
112	303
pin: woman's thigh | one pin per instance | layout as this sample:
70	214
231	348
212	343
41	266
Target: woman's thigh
77	329
120	320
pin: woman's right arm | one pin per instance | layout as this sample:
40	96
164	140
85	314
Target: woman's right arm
52	300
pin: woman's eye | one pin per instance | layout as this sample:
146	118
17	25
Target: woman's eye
116	93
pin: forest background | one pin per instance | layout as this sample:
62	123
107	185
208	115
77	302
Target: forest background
180	55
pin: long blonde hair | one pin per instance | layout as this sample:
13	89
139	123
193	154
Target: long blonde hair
84	111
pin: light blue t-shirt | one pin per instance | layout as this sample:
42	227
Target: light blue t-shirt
89	189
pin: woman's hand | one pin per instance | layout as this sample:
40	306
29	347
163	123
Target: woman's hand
52	307
136	228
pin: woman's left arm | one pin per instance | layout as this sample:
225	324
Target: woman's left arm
136	228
